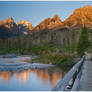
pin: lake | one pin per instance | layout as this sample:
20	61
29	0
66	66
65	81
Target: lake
31	79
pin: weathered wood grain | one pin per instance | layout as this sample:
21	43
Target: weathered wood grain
86	80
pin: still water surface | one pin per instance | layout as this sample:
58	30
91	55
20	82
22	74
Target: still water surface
31	79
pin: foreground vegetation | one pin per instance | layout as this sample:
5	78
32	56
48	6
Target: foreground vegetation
48	52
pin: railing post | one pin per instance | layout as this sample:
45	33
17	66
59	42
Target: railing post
74	73
76	83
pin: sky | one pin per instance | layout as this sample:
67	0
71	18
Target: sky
36	11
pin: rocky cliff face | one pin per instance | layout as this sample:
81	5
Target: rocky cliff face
8	24
8	28
80	17
49	23
67	31
25	25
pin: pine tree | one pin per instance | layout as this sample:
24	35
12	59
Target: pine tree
83	42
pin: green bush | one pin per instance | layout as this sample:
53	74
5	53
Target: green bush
66	60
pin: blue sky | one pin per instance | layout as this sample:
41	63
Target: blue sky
36	11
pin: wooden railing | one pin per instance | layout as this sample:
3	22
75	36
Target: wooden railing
71	79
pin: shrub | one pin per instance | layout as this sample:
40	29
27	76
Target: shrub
65	60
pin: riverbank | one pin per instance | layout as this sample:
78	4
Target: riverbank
47	54
66	60
19	63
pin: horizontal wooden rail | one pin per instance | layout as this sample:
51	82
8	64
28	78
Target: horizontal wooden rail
70	76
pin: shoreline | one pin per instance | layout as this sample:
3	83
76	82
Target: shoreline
19	64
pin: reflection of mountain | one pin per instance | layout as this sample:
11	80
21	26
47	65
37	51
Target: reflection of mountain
22	76
5	76
43	75
50	75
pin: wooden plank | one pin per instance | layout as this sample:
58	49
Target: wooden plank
86	80
77	81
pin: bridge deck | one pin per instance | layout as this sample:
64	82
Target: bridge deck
86	78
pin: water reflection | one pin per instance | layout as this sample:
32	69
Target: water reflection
22	76
48	76
5	76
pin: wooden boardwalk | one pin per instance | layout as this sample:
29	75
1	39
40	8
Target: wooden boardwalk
79	78
86	78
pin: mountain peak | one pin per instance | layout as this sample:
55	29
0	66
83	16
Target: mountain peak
8	20
83	9
49	23
56	16
87	6
25	23
21	22
81	16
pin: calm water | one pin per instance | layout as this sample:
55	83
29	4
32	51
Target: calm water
31	79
